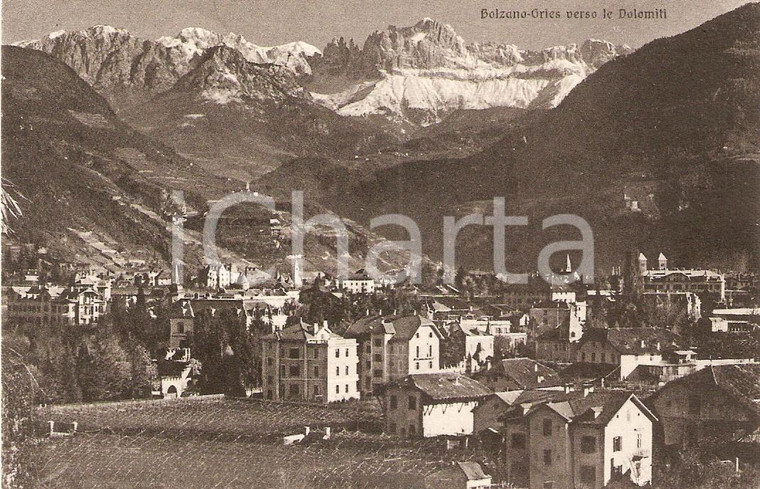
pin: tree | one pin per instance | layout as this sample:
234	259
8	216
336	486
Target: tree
104	369
20	389
143	371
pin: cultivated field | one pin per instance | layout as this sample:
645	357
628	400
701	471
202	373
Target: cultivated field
231	443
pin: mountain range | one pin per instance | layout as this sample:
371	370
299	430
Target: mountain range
418	73
657	148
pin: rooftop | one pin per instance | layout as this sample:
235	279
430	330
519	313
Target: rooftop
444	386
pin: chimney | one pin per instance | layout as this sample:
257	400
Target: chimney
587	389
535	367
52	427
327	433
643	343
307	431
567	388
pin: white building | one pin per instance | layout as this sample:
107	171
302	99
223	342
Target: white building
309	363
736	320
358	283
429	405
392	347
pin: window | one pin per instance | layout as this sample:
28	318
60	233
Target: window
294	371
547	457
417	366
316	390
348	352
412	403
337	353
588	444
294	390
293	353
430	350
430	335
347	369
337	370
346	388
547	427
593	356
270	362
518	441
430	365
412	429
337	389
282	370
417	350
378	343
316	371
377	357
316	353
583	357
394	403
588	475
617	444
639	440
377	373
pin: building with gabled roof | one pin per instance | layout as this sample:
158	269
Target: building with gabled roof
511	374
433	404
309	363
358	282
626	347
580	439
391	347
718	404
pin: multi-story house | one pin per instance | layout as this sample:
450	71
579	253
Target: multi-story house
626	347
428	405
706	283
717	405
358	283
583	441
42	304
392	347
476	345
309	363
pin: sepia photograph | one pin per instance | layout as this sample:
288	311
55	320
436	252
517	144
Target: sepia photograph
291	244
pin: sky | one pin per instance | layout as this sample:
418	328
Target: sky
271	22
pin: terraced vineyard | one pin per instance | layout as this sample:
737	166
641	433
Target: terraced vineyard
232	443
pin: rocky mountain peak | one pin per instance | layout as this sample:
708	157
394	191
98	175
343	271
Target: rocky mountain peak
596	52
224	75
